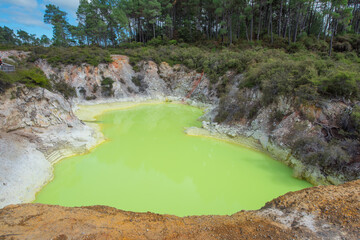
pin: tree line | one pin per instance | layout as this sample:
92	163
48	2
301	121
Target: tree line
110	22
21	37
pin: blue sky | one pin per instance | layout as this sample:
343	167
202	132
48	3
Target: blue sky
28	14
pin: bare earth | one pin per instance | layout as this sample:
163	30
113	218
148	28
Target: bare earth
326	212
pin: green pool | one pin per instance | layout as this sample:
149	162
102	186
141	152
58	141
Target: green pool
149	164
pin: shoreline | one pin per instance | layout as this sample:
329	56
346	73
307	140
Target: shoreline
88	111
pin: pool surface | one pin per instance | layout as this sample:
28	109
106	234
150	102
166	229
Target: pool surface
150	164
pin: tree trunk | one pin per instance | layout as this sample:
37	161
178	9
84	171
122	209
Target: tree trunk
271	25
268	18
138	33
230	29
311	16
252	20
322	21
247	31
332	36
297	24
154	29
259	25
130	32
289	26
280	15
327	23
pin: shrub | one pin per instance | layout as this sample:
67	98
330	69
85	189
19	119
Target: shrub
276	116
342	47
65	89
71	55
106	87
280	77
5	81
326	156
221	116
296	47
355	118
306	93
136	81
311	43
33	77
344	84
131	45
155	41
253	111
306	75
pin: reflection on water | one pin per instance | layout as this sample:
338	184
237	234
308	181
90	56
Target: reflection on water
149	164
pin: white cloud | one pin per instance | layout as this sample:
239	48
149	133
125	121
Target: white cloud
28	20
21	16
66	4
23	3
4	20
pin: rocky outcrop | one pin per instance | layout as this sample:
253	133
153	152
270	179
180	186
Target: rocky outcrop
151	80
13	55
329	212
306	138
37	128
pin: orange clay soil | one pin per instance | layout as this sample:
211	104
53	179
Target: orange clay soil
327	212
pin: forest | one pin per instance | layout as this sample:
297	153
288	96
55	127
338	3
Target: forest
286	42
111	22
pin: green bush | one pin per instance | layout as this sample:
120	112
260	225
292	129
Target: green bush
277	116
106	87
346	43
281	77
214	64
344	84
130	45
32	77
296	47
65	89
311	43
326	156
136	81
355	118
71	55
5	81
155	41
303	74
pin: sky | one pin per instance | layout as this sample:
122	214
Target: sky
28	15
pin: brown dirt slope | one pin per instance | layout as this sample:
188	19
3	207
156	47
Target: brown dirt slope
331	212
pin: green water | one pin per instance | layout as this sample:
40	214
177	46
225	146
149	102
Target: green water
149	164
